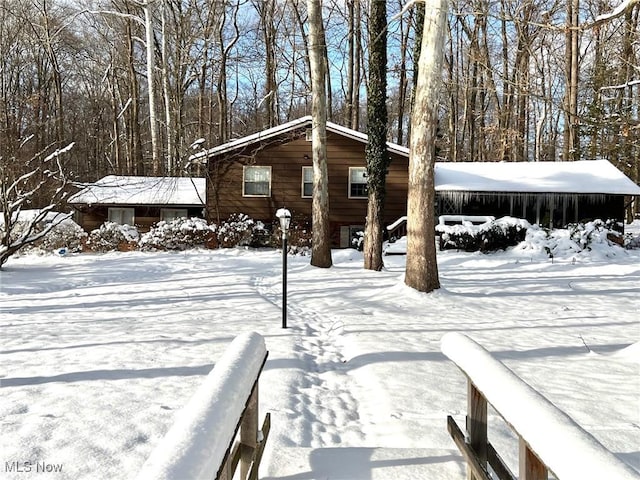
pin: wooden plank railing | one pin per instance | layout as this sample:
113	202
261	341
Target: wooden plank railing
549	440
218	428
397	229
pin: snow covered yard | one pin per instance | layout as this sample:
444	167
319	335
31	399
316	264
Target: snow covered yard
98	352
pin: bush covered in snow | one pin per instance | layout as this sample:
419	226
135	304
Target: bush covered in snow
67	234
357	241
178	234
631	241
112	236
300	235
240	230
488	237
593	236
631	238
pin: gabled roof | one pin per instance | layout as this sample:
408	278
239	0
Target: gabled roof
131	190
584	176
304	122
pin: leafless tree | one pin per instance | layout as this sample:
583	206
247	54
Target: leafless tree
422	267
23	183
321	246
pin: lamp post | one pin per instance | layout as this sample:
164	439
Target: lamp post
284	216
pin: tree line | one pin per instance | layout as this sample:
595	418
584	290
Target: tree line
133	83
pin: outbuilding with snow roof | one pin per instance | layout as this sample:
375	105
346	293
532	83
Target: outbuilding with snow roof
139	201
551	194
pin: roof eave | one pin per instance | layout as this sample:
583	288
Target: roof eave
288	127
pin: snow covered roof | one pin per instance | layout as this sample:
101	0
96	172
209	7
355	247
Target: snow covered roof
131	190
584	176
286	128
28	215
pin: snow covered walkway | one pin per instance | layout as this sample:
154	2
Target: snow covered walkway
98	352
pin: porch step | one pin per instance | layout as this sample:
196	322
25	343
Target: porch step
362	463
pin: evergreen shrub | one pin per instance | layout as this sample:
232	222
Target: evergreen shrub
111	237
178	234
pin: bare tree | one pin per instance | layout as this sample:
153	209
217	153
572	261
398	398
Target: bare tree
376	152
321	240
422	268
151	84
24	183
571	138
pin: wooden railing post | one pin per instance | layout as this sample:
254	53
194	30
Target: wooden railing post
531	468
477	426
249	433
531	416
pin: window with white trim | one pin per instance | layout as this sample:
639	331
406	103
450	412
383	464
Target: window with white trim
256	181
357	182
307	182
122	216
168	214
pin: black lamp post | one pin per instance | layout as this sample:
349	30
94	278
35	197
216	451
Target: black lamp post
285	221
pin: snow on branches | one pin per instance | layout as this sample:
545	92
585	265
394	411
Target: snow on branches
27	184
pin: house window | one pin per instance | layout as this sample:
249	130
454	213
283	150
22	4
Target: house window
357	182
168	214
122	216
307	182
256	182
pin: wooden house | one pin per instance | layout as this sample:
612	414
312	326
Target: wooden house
272	169
139	201
261	173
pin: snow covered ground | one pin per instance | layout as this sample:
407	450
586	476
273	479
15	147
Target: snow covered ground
99	352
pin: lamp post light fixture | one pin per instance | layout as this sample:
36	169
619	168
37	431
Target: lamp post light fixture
284	216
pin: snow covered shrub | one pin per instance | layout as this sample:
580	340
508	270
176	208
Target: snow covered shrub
587	234
357	241
300	235
458	237
67	234
178	234
112	236
503	233
238	230
631	242
572	241
488	237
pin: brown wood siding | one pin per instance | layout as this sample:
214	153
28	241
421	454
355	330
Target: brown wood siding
286	161
91	218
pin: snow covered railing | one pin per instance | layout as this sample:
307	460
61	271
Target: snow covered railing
549	440
397	229
202	441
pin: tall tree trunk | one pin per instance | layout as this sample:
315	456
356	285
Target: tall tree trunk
376	152
422	267
351	22
403	83
266	9
166	93
153	122
135	162
321	239
417	48
354	121
57	76
571	140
